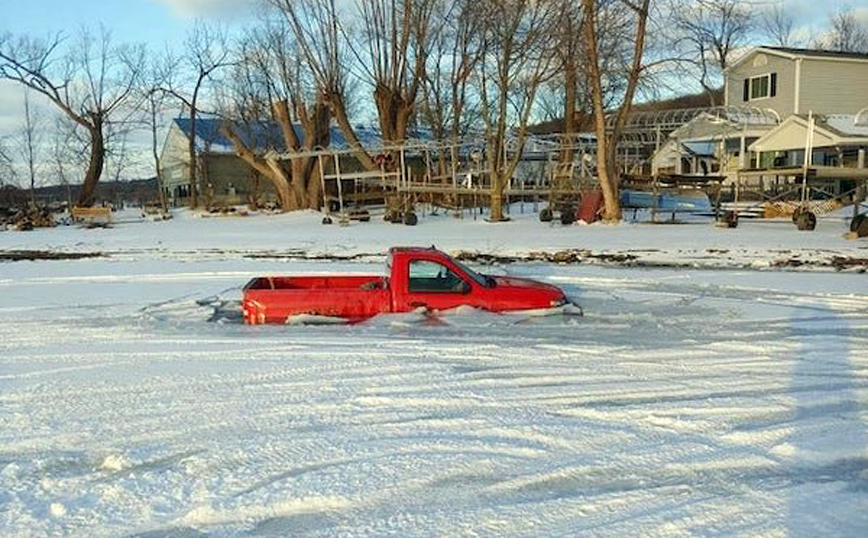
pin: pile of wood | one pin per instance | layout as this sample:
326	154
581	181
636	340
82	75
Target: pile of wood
24	219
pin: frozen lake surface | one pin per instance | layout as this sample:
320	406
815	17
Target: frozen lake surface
717	399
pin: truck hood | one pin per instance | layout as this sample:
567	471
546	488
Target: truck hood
526	283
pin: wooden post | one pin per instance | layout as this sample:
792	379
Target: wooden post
340	187
809	143
325	201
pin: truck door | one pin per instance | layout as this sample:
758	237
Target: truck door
431	284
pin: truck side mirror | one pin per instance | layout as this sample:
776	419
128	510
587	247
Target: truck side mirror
464	287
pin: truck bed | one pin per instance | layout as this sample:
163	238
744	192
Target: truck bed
315	282
274	299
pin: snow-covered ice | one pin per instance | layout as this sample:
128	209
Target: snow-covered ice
723	396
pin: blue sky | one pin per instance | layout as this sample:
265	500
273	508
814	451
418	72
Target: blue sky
154	22
165	21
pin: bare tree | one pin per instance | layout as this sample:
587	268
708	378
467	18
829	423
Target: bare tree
155	104
206	51
396	34
455	52
710	31
317	30
848	34
30	138
274	78
7	170
607	137
569	51
89	83
119	157
778	25
514	65
68	153
389	55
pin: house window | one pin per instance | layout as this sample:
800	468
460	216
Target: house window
760	87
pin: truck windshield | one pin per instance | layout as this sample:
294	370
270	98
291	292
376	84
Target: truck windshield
479	279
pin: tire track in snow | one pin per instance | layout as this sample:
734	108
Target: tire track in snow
663	405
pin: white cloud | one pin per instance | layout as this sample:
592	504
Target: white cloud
12	107
861	14
208	8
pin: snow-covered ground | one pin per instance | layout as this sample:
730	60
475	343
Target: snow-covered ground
723	396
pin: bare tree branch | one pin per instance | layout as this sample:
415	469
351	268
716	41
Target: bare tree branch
89	83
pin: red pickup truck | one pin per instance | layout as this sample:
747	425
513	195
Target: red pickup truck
418	278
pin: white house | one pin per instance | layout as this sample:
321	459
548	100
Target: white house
786	84
798	81
837	145
714	142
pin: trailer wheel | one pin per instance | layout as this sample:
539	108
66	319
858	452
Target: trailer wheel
728	219
326	220
859	225
568	215
410	218
545	215
806	221
361	215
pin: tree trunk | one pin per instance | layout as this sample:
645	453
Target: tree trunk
570	96
156	154
191	152
97	161
268	167
287	196
607	141
315	124
496	202
318	137
339	110
314	184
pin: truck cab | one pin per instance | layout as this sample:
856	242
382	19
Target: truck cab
428	278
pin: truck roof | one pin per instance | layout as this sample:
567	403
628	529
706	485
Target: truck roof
411	250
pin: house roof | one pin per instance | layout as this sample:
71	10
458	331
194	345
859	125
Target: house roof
793	53
818	53
846	125
728	122
701	148
832	130
265	135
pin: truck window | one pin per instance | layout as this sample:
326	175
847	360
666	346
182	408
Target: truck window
428	276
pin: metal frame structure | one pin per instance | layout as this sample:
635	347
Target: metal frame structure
569	162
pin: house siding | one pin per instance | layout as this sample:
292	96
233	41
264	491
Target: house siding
175	159
783	102
224	177
833	87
